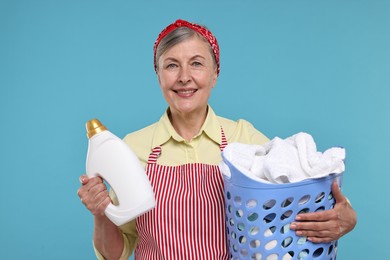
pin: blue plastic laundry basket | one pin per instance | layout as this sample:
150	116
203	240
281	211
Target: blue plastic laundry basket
258	216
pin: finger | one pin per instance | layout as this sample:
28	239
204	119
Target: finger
316	216
317	236
92	182
89	190
83	179
321	239
82	192
314	234
97	189
101	206
308	227
101	195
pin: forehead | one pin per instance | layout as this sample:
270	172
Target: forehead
195	45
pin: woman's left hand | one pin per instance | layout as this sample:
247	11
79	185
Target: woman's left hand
328	225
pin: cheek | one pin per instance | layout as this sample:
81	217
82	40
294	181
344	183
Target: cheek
165	82
161	79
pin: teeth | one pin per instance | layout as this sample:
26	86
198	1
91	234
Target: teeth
185	91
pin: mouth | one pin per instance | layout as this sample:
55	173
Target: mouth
185	92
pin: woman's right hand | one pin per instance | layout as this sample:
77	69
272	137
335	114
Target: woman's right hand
107	238
94	195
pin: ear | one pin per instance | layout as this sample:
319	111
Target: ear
158	78
215	78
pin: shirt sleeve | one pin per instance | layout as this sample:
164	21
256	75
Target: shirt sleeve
254	135
127	250
244	132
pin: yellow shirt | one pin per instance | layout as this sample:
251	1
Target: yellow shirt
203	148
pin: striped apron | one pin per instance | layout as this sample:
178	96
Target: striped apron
188	221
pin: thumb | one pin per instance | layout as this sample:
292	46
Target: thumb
83	179
338	196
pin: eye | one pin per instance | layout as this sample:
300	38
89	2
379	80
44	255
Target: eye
171	65
196	64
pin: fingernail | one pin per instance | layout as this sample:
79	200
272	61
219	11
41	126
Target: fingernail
298	217
81	180
293	226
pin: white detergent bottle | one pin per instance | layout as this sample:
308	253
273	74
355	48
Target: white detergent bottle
112	159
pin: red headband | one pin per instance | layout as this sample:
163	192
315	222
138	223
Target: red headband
197	28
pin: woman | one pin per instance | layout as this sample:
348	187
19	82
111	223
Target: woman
181	153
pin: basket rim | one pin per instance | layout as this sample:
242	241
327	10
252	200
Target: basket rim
239	179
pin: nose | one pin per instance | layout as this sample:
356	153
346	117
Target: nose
184	75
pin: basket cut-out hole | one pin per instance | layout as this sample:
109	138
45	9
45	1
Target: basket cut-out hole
253	216
322	208
235	248
271	244
288	256
242	240
305	199
237	200
305	210
287	241
287	202
256	256
239	213
231	221
301	240
330	250
244	252
240	226
318	252
269	218
269	232
234	235
273	257
286	214
250	204
230	208
254	231
269	204
330	196
228	195
320	197
285	228
254	243
304	254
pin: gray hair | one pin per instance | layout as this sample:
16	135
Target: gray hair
177	36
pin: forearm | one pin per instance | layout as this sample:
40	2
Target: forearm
108	239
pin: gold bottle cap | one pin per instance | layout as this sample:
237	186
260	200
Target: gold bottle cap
94	127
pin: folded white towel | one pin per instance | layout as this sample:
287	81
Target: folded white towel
283	161
245	158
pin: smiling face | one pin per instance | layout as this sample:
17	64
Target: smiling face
187	73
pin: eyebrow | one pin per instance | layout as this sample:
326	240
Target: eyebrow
197	56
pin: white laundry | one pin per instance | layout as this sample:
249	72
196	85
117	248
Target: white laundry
246	158
284	160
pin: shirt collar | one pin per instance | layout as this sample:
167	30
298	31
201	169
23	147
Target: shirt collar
165	131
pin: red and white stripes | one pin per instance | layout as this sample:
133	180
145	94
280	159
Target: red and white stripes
188	221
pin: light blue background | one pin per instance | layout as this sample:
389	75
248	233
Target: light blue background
287	66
